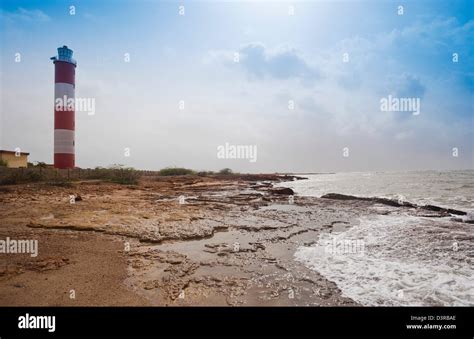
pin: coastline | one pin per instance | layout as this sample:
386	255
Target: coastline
231	243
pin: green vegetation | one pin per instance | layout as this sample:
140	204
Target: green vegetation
41	164
226	171
9	180
38	164
176	171
20	176
63	178
124	175
170	171
3	163
116	173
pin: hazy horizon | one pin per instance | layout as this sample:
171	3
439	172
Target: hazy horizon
302	82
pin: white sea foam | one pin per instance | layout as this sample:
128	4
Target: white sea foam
468	217
405	260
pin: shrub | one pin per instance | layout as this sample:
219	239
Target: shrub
175	171
11	179
125	176
18	175
41	164
120	174
32	176
114	173
226	171
3	163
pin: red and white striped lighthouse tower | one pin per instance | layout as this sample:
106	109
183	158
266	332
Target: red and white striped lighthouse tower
64	109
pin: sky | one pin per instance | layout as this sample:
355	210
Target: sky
300	81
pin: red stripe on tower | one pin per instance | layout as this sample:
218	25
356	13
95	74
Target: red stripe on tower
64	110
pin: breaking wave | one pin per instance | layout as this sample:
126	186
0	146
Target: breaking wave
404	260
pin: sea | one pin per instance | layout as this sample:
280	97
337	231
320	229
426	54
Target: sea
400	259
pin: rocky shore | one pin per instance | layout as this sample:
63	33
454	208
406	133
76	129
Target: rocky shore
189	240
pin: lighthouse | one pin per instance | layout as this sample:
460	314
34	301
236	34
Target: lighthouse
64	108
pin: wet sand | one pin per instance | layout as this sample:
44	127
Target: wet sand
231	242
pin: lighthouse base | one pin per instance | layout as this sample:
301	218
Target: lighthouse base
63	160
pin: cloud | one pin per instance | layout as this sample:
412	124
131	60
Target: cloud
282	63
25	15
379	56
437	33
409	86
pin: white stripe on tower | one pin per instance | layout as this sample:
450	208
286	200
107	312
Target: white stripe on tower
63	141
62	89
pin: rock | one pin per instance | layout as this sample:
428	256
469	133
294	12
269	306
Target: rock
442	212
283	191
78	198
441	209
257	245
48	217
174	261
338	196
383	201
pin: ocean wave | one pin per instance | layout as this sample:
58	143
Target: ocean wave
404	260
400	202
452	189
